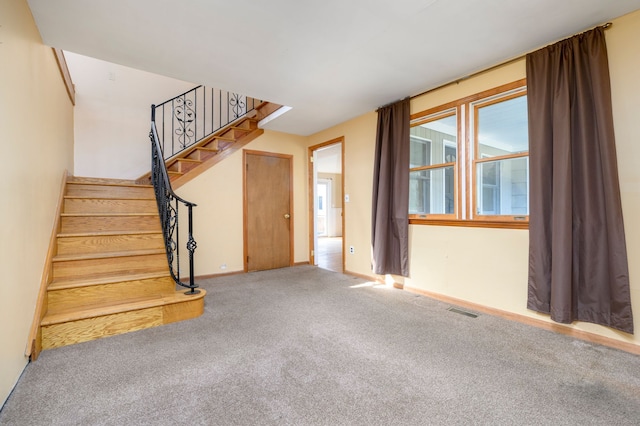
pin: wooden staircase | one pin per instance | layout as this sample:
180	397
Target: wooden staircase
212	149
109	274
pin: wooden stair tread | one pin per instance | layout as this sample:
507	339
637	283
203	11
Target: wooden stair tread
224	138
101	214
76	282
106	233
206	149
106	255
97	197
101	309
187	160
100	181
127	184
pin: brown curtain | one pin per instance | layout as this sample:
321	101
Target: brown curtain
577	255
390	223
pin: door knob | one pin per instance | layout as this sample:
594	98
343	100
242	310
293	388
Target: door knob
287	215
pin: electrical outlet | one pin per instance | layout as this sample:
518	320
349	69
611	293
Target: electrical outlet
352	250
223	266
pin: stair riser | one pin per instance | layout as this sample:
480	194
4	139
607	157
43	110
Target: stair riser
68	333
195	155
235	133
129	264
183	166
248	124
104	191
108	243
99	181
81	224
214	144
201	155
91	205
65	299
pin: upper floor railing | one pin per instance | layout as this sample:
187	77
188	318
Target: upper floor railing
192	116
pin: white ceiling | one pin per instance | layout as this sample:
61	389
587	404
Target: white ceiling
329	60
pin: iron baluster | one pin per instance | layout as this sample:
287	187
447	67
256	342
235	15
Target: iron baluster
195	108
237	105
185	117
173	126
191	246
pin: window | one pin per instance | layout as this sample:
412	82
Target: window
501	157
470	161
432	161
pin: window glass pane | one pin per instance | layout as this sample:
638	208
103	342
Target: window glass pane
420	154
434	142
502	128
432	191
503	187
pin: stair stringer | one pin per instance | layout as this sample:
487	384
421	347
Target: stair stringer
177	182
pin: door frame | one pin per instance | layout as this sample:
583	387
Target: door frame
312	197
289	157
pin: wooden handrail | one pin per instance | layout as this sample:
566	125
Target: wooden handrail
66	75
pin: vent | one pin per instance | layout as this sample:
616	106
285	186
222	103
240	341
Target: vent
461	312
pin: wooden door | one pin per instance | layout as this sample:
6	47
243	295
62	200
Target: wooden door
268	217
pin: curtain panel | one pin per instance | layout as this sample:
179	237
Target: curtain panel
577	254
390	221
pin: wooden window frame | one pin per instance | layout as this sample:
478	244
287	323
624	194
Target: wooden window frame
465	172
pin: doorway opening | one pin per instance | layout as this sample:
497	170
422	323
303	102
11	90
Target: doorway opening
326	187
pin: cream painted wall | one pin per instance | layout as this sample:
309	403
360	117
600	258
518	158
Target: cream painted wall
623	45
112	116
490	266
36	118
218	218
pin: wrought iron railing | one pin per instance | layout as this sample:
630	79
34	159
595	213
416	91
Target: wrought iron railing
168	207
192	116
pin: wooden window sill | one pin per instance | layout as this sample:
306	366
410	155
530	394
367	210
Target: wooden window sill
471	223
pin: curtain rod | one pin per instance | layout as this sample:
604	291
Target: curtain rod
501	64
